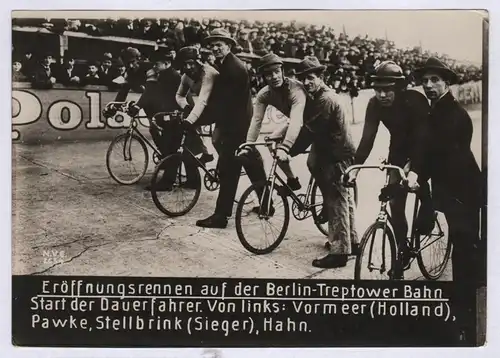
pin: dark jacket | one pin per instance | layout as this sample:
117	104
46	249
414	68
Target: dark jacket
406	122
453	169
231	98
159	95
41	77
325	118
135	81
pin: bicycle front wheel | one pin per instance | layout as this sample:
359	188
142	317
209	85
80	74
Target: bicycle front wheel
433	250
127	159
377	256
261	228
174	188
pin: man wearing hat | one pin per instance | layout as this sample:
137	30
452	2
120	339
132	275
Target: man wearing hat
162	82
457	181
44	76
404	114
289	97
231	110
332	151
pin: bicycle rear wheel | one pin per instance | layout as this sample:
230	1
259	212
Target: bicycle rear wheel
127	159
433	251
174	194
377	256
316	207
261	233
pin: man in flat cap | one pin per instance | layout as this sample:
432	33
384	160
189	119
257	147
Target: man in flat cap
332	151
457	182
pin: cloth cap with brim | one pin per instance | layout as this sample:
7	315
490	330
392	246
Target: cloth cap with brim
188	53
435	65
269	62
220	34
308	65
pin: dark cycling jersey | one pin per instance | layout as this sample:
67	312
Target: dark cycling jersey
406	121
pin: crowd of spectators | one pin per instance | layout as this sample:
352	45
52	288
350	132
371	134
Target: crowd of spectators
350	60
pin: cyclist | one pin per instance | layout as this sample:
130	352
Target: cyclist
332	151
404	113
289	97
158	95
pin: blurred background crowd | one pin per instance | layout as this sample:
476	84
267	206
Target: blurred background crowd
350	59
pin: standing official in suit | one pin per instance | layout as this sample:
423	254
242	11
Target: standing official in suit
231	108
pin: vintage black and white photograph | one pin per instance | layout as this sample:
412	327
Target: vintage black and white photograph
298	145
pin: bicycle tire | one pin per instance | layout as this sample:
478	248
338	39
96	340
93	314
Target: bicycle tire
365	244
315	210
239	215
126	137
442	266
164	163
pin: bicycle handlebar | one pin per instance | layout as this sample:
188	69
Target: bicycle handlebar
380	167
270	142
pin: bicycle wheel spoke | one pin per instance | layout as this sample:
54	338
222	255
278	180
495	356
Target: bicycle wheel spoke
127	159
434	250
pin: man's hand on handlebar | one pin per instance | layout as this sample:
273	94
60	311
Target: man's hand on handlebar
413	181
109	111
350	178
282	155
133	109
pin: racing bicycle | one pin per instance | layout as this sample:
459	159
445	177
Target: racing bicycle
265	205
380	257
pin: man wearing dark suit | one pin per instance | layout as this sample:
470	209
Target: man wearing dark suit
457	184
231	108
43	76
67	73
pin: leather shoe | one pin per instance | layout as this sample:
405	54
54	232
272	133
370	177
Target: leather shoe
331	261
256	210
216	221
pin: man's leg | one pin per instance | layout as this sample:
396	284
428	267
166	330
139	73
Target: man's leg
463	226
338	203
425	218
292	180
398	215
229	175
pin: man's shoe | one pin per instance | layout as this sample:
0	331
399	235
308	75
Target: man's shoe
216	221
406	256
293	183
331	261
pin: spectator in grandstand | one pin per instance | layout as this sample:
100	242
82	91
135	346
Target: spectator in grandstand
244	44
17	74
43	75
92	75
193	33
106	70
66	73
28	64
118	75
